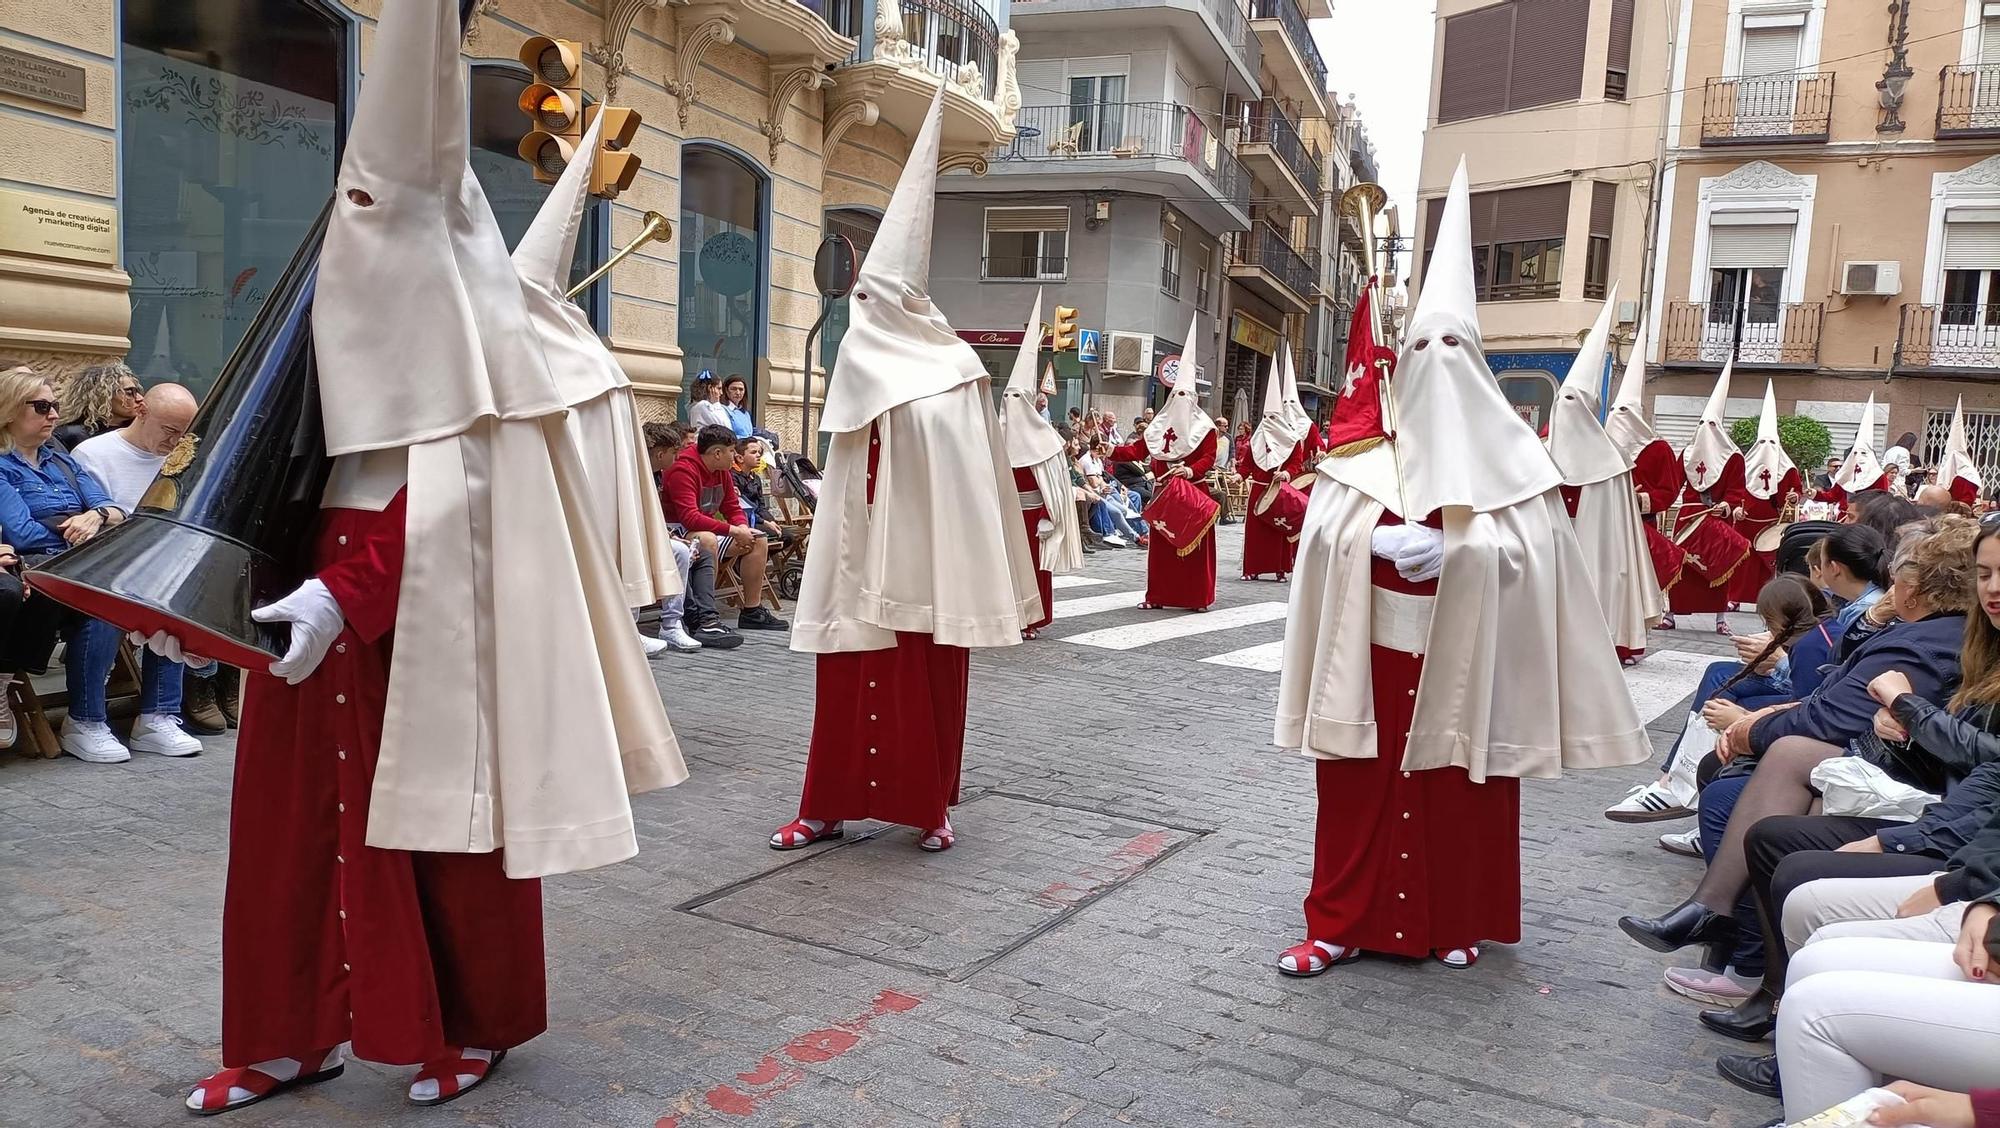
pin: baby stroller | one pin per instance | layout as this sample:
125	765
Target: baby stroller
801	478
795	495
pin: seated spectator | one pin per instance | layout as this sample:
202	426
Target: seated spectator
47	504
700	496
126	461
690	620
1109	518
103	397
748	469
736	403
1932	591
1136	480
705	406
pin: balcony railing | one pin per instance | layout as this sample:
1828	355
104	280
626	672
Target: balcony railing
1264	246
1773	108
1287	13
1949	336
1777	334
1265	124
1235	26
946	34
1129	131
1969	102
843	16
1024	268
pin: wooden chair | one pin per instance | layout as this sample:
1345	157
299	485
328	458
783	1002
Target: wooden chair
36	737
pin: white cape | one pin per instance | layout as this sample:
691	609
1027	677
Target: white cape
1620	562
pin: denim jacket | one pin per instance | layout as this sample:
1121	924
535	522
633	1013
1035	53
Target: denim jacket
30	493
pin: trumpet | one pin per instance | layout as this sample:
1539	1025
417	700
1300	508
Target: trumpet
658	227
1362	203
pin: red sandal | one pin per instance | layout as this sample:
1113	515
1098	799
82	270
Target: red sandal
1314	957
210	1095
939	840
446	1073
796	835
1457	959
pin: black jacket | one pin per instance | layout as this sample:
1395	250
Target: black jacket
1841	710
1962	749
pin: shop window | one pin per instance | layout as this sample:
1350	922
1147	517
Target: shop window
231	121
723	246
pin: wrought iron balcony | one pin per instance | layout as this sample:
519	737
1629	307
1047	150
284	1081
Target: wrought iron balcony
1129	131
1768	334
1766	110
943	35
1969	102
1265	124
1264	248
1949	336
1298	33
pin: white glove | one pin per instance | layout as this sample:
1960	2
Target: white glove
316	621
169	647
1417	551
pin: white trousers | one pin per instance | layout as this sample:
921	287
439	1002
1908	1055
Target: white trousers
1859	1009
1863	906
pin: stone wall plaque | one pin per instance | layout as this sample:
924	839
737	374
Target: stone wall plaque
41	78
32	223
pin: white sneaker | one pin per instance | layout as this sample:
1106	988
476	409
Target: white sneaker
1687	843
652	645
9	731
92	742
156	733
676	636
1115	541
1649	802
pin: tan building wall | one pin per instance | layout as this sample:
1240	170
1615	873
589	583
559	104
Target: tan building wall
1858	194
64	315
1586	140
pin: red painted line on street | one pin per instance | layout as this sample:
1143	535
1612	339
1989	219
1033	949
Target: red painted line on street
1125	861
771	1076
1142	849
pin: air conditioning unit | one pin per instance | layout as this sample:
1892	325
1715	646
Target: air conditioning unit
1130	354
1871	279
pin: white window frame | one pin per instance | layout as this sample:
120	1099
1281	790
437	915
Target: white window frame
1762	11
1757	186
1975	18
1041	252
1974	186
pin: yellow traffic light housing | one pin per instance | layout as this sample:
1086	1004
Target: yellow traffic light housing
1064	330
615	166
554	104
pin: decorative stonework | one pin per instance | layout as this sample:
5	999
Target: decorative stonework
843	117
479	10
790	78
890	44
1007	86
1985	174
974	163
1758	176
619	16
702	27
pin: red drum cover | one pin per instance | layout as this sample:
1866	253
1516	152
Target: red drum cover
1181	514
1283	507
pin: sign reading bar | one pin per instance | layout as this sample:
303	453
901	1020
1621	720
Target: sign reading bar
996	338
41	79
58	227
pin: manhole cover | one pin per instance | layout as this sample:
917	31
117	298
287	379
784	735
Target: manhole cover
1022	867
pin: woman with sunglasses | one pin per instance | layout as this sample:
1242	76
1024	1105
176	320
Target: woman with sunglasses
47	503
103	397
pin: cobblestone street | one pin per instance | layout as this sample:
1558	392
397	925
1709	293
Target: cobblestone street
1096	951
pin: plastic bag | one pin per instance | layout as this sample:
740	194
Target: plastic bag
1851	786
1853	1112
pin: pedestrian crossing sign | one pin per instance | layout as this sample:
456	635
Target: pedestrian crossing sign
1087	345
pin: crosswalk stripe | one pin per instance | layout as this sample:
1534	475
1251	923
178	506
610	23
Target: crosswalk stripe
1267	657
1097	604
1183	625
1061	582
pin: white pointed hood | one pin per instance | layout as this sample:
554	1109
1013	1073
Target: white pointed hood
1957	464
1030	438
1583	452
1285	421
898	347
582	366
1178	428
1709	452
1626	423
1862	467
418	320
1766	465
1445	392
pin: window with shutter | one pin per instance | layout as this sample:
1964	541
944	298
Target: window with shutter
1027	244
1512	56
1769	50
1597	264
1972	244
1042	83
1737	245
1618	57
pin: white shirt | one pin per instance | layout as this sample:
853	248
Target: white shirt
1090	465
125	471
705	414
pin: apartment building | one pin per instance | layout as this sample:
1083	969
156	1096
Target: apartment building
1832	212
191	143
1556	107
1157	175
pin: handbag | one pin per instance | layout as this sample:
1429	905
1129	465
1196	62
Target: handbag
1853	787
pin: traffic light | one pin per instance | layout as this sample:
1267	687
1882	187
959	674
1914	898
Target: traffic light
553	102
1064	330
615	165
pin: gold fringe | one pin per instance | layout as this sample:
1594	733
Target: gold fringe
1195	543
1724	578
1358	446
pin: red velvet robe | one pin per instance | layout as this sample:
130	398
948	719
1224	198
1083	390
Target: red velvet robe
1657	478
1173	580
1268	551
888	729
1025	484
1407	863
1715	549
1760	514
325	939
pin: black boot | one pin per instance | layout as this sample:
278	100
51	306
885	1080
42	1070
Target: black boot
1755	1072
1751	1020
1691	922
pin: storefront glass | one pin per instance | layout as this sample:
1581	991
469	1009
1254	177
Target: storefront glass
230	126
723	256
